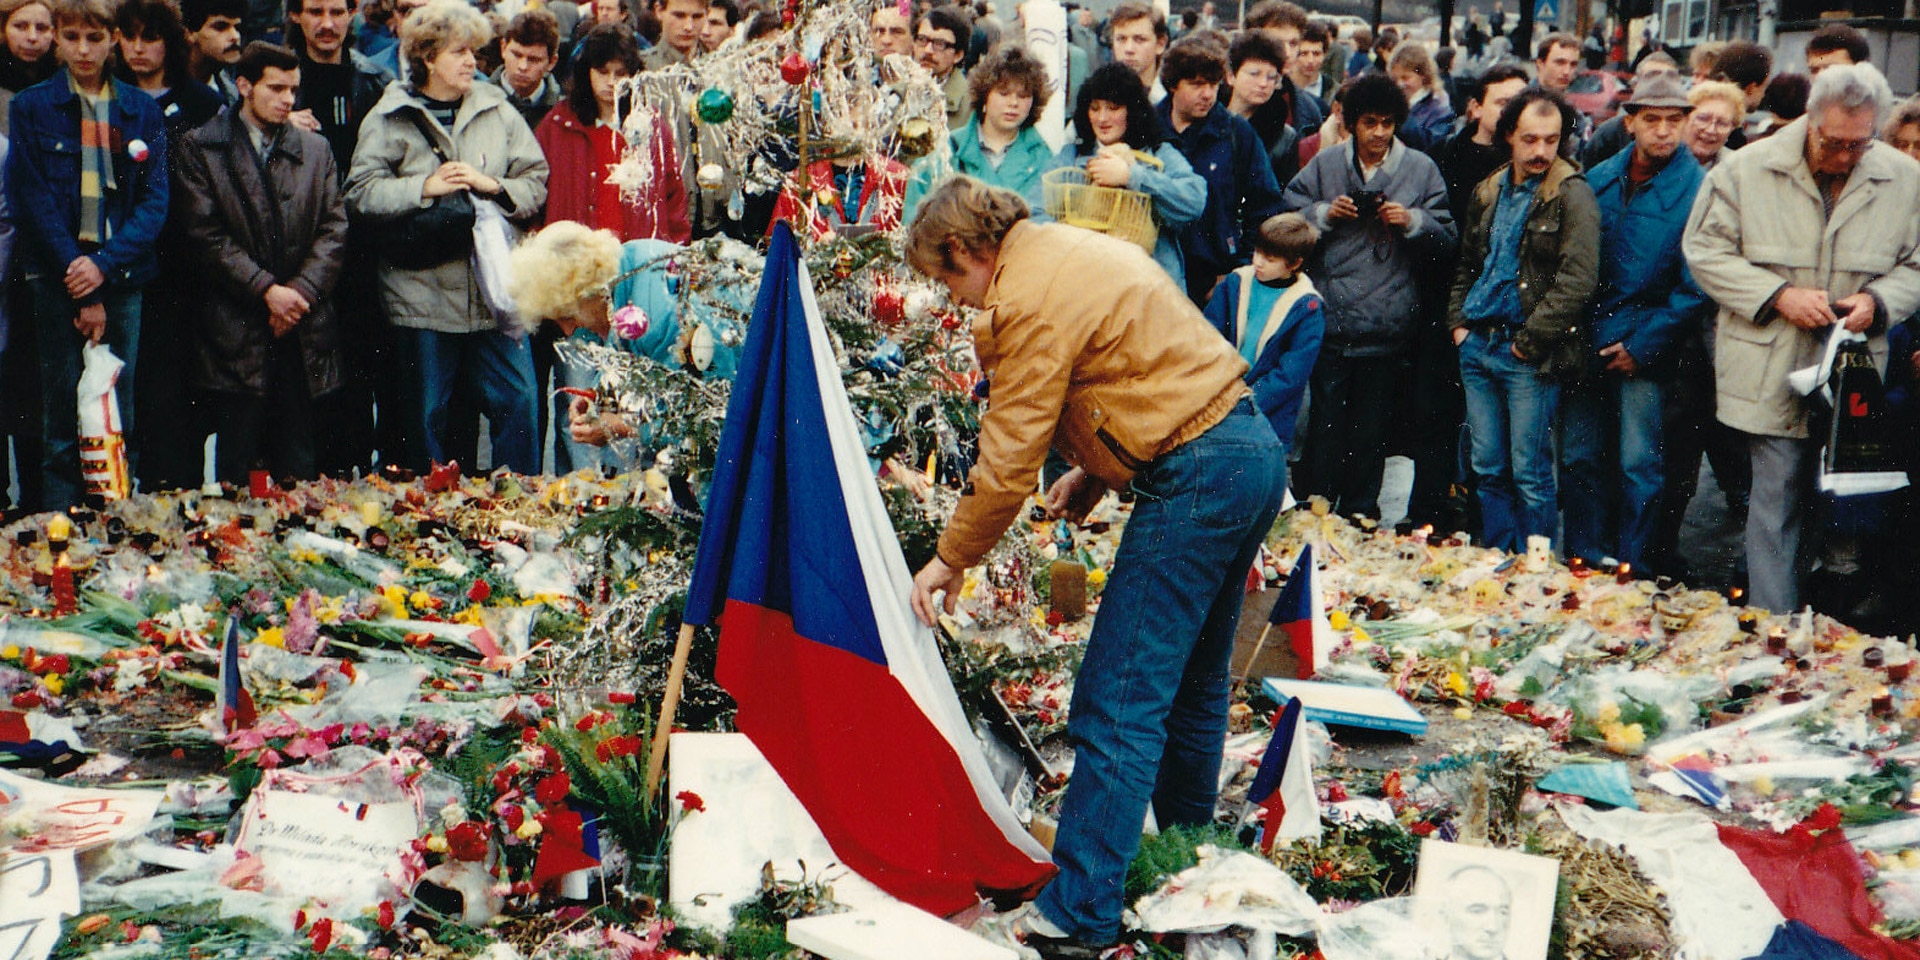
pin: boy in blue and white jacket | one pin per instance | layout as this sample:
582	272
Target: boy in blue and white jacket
1271	312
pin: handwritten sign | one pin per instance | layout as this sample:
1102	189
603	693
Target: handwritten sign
325	848
69	818
36	890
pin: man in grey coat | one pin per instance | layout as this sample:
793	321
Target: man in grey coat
1381	209
1808	228
263	215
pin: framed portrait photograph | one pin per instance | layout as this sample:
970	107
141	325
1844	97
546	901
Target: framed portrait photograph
1487	904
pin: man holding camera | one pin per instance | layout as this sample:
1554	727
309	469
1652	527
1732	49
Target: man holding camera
1381	209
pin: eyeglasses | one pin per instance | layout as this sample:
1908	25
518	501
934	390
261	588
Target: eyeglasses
935	44
1843	146
1712	124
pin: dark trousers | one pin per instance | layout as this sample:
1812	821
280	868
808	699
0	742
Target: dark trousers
1437	408
1688	431
362	417
173	428
274	433
1346	449
20	400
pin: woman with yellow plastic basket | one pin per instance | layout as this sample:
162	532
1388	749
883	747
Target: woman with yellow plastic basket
1131	181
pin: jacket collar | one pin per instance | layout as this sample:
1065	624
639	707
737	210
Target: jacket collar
966	140
1785	153
228	129
63	94
1561	171
1389	165
1213	126
548	93
1670	180
481	98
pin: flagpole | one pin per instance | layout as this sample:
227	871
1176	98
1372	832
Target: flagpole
1258	646
669	705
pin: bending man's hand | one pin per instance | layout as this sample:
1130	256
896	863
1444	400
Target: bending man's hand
931	579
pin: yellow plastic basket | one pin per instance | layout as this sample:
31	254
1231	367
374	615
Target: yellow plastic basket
1123	214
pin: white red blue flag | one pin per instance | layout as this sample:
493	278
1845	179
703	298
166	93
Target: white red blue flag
1284	784
235	704
1302	616
840	687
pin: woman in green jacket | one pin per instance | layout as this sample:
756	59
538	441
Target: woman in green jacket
999	146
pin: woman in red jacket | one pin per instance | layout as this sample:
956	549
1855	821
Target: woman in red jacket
582	155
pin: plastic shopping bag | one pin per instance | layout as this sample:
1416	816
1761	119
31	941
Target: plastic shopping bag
103	448
493	240
1846	399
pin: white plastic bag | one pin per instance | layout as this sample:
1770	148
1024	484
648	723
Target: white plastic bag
103	448
493	239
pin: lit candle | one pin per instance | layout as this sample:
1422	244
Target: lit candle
59	531
1625	574
63	602
1883	703
259	484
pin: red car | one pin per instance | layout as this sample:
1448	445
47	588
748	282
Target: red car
1598	93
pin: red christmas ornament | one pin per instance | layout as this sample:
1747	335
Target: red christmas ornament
794	69
889	306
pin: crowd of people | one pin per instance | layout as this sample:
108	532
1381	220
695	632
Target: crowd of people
266	215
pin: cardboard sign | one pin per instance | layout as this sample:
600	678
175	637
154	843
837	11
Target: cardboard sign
335	851
1047	41
36	890
68	818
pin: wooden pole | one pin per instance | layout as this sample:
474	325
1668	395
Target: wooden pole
1258	646
669	705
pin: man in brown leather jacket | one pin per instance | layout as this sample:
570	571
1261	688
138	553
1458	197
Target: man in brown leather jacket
264	216
1129	382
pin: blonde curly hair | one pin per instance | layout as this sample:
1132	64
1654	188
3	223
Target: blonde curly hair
437	27
556	270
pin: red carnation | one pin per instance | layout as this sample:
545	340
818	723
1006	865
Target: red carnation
479	592
690	802
552	790
467	841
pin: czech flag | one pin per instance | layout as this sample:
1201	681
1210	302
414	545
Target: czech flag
1300	613
235	704
838	685
1284	784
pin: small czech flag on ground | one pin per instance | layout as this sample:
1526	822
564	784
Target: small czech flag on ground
1284	784
1302	615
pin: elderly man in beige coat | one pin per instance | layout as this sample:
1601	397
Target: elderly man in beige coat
1808	228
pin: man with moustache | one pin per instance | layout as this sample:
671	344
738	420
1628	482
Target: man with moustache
214	28
266	222
1529	259
938	43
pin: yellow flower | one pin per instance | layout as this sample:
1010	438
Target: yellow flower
1339	620
394	598
421	600
437	843
1096	577
54	683
1360	637
272	637
1609	712
1456	684
10	652
528	830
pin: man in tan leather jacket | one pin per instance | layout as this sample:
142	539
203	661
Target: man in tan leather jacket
1092	350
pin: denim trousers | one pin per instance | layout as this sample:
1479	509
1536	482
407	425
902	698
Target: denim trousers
1149	714
1611	469
496	371
1511	412
59	345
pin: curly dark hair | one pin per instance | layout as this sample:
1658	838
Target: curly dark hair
1372	93
1524	101
1116	83
1010	65
1254	45
1193	58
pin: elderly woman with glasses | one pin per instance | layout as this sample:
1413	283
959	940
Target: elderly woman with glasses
1718	109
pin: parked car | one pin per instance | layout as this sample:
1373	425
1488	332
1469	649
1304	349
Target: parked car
1598	94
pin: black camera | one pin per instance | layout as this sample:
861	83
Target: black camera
1368	203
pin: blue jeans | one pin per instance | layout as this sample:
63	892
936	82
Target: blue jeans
59	346
496	370
1149	714
1510	411
1610	460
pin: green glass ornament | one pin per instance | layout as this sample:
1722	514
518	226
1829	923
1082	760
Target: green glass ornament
714	106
